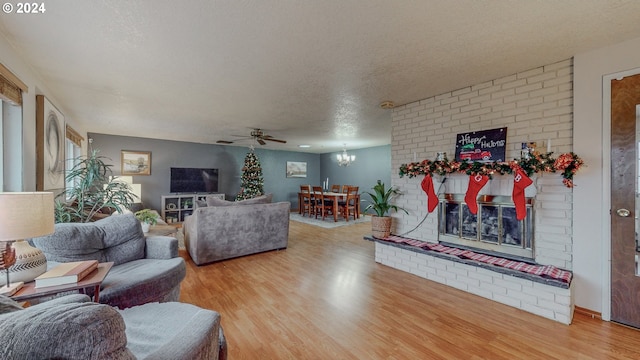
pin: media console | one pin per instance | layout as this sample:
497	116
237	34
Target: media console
176	206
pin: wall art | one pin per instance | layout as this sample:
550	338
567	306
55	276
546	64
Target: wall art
50	141
135	162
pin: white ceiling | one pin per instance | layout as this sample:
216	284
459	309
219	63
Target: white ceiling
309	72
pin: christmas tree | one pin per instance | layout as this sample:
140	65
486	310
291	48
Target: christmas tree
252	181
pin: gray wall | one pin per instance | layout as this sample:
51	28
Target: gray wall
371	164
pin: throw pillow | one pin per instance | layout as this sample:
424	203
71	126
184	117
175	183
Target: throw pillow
116	238
214	201
262	199
8	305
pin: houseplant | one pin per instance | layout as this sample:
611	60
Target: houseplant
94	192
380	203
147	217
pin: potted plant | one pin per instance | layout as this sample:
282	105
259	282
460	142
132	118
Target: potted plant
380	203
147	218
188	203
94	193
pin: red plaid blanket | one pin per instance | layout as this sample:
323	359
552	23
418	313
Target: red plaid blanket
540	270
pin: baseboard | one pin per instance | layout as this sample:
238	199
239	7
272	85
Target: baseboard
590	313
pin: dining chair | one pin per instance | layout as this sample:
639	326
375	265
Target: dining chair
335	188
321	205
306	200
350	205
356	190
344	188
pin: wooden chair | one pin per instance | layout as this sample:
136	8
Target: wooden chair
306	200
322	206
344	188
335	188
350	205
356	190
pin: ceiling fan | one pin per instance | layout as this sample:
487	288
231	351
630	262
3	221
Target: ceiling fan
258	135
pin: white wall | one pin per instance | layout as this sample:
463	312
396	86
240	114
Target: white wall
590	138
11	59
591	244
535	105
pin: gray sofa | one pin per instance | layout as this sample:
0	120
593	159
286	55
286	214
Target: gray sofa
145	269
71	327
224	230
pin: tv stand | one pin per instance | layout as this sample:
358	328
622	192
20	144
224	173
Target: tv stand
176	206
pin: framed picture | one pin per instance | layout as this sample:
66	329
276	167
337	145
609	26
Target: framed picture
296	169
135	162
50	144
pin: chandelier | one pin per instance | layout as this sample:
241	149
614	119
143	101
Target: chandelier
345	159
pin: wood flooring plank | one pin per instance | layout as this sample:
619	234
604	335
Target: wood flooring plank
325	297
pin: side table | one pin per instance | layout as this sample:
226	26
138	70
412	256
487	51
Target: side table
94	280
162	230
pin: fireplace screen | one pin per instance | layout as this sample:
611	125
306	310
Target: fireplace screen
494	227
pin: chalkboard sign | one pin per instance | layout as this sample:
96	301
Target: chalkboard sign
482	146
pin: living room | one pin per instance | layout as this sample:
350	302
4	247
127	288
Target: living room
587	225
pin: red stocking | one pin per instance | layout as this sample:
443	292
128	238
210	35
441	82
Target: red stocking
432	197
520	182
476	183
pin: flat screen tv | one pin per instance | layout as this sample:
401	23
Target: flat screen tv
194	180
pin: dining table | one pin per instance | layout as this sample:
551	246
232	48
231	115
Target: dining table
335	196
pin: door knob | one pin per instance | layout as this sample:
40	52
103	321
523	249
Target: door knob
623	212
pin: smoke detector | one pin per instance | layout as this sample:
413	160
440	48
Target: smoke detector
387	105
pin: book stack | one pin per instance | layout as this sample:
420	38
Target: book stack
66	273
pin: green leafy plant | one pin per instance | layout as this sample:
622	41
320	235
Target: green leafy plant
147	216
94	192
62	215
380	199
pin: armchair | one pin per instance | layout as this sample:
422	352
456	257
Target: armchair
146	269
72	327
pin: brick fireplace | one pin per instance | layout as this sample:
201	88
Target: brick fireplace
535	106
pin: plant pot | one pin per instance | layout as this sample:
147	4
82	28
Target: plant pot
145	227
380	226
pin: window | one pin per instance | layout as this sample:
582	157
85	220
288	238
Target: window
11	148
73	144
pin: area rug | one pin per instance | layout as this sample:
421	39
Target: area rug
328	222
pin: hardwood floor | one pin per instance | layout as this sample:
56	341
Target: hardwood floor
324	297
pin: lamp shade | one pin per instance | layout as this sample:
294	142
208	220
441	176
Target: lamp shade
25	215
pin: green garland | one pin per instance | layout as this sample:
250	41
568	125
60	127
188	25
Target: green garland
567	163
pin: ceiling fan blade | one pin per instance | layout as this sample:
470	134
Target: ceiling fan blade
275	140
224	142
261	142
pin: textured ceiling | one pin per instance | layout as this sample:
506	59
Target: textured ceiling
309	72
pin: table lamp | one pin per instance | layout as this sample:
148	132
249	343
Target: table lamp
23	215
